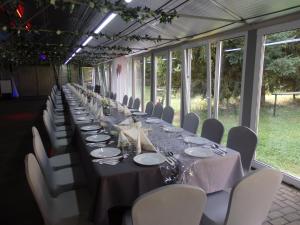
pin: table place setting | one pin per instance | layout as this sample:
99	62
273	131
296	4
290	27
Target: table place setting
153	120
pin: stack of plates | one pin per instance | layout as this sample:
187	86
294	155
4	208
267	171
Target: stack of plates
153	120
139	114
199	151
98	138
106	152
149	159
172	129
90	128
196	140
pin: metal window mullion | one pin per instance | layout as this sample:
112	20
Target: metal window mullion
143	70
217	78
169	78
153	78
208	80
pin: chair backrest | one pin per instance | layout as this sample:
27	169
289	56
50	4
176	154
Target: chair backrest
38	186
168	114
149	108
42	158
213	130
158	110
251	199
191	122
49	128
136	104
243	140
125	100
111	95
176	204
114	96
130	102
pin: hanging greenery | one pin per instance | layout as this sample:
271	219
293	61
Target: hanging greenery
120	7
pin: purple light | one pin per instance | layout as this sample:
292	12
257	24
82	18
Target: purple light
43	57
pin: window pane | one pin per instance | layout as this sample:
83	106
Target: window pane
279	129
176	86
230	83
147	91
138	78
161	75
87	75
198	83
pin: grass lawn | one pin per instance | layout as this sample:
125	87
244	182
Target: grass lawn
279	137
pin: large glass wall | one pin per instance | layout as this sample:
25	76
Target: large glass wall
198	88
230	83
279	120
176	86
161	78
87	77
138	73
147	87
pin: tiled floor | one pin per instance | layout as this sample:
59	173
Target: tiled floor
286	207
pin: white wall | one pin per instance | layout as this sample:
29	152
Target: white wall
122	83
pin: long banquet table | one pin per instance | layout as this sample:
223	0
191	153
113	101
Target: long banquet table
119	185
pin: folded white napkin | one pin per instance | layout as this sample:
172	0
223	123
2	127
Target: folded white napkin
126	122
137	136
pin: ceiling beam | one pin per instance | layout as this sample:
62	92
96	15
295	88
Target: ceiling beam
227	10
210	18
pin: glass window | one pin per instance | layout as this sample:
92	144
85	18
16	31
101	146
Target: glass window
147	89
176	86
230	83
161	79
198	101
138	73
87	75
279	119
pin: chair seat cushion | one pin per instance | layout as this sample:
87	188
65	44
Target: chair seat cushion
216	208
64	160
61	134
68	179
62	128
77	212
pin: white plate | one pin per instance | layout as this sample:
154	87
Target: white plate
98	138
81	113
199	151
172	129
105	152
155	121
139	114
83	118
149	159
196	140
79	108
90	128
133	110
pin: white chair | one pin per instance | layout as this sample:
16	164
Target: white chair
191	122
56	162
61	180
247	204
176	204
58	144
56	114
68	208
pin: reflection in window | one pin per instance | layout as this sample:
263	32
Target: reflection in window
176	86
87	75
147	89
230	83
161	79
198	101
138	78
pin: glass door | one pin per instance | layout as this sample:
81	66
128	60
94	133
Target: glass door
161	78
147	87
278	128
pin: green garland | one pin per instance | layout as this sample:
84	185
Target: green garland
127	13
